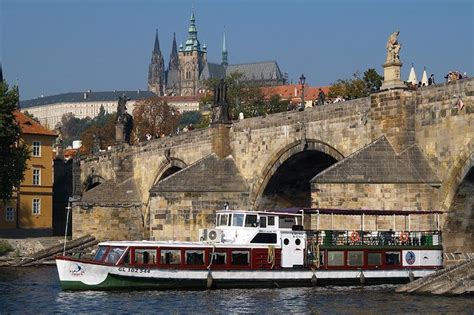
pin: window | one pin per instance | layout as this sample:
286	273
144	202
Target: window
264	238
238	219
36	176
194	257
100	253
145	256
355	258
114	255
9	214
240	258
218	258
271	221
223	219
392	258
251	220
170	257
335	258
263	222
36	206
286	222
36	148
374	259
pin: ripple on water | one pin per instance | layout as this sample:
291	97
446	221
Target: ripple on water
37	290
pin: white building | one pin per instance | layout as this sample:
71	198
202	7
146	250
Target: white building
50	109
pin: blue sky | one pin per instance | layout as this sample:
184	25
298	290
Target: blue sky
56	46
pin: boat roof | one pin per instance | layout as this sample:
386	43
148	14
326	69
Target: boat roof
270	212
354	211
180	244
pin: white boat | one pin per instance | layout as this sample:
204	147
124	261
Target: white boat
261	249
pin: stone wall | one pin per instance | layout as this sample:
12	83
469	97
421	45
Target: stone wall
180	215
108	222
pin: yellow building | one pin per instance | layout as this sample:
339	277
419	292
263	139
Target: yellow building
32	207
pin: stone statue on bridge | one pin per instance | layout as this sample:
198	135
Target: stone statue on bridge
124	126
220	108
393	48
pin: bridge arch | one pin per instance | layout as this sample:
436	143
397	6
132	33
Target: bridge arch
458	200
168	167
297	154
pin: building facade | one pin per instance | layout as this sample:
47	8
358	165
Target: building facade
189	68
32	205
50	109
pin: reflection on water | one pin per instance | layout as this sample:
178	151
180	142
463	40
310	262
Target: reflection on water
37	290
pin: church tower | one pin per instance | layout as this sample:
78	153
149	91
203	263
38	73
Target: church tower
156	71
192	59
224	62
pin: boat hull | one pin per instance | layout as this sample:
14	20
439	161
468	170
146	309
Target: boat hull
83	275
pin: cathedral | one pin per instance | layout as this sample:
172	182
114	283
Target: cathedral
188	68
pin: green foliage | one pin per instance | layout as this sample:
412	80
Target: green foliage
246	97
5	247
356	86
102	127
13	152
188	118
372	79
27	114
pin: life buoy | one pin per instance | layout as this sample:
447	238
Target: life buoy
355	236
404	237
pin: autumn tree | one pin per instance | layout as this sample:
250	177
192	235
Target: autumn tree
356	86
102	128
13	152
155	117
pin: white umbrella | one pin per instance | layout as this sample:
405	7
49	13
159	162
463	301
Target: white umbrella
424	78
412	76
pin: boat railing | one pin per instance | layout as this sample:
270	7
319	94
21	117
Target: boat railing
378	238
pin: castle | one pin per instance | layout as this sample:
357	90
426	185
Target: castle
188	68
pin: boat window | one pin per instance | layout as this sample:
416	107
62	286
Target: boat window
374	259
194	257
126	258
218	219
286	222
335	258
170	257
218	258
223	219
100	253
145	256
264	238
114	254
355	258
271	221
230	220
251	220
240	258
263	222
238	219
392	258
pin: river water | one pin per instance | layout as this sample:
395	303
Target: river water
37	290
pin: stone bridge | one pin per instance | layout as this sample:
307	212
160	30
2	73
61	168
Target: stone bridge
396	149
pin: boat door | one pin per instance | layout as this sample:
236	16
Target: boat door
293	245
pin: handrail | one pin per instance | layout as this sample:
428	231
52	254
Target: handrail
379	238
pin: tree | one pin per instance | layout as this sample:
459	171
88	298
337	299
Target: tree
356	86
276	104
373	80
102	127
27	114
190	118
155	117
13	152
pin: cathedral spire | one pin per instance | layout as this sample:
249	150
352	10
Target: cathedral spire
174	61
224	62
192	43
156	48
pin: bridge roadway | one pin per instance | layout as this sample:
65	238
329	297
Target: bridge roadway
273	160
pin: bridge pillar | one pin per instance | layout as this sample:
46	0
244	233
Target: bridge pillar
221	140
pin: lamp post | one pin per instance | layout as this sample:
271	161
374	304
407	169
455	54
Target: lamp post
302	80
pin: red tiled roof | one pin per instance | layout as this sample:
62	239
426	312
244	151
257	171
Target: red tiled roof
29	126
293	91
